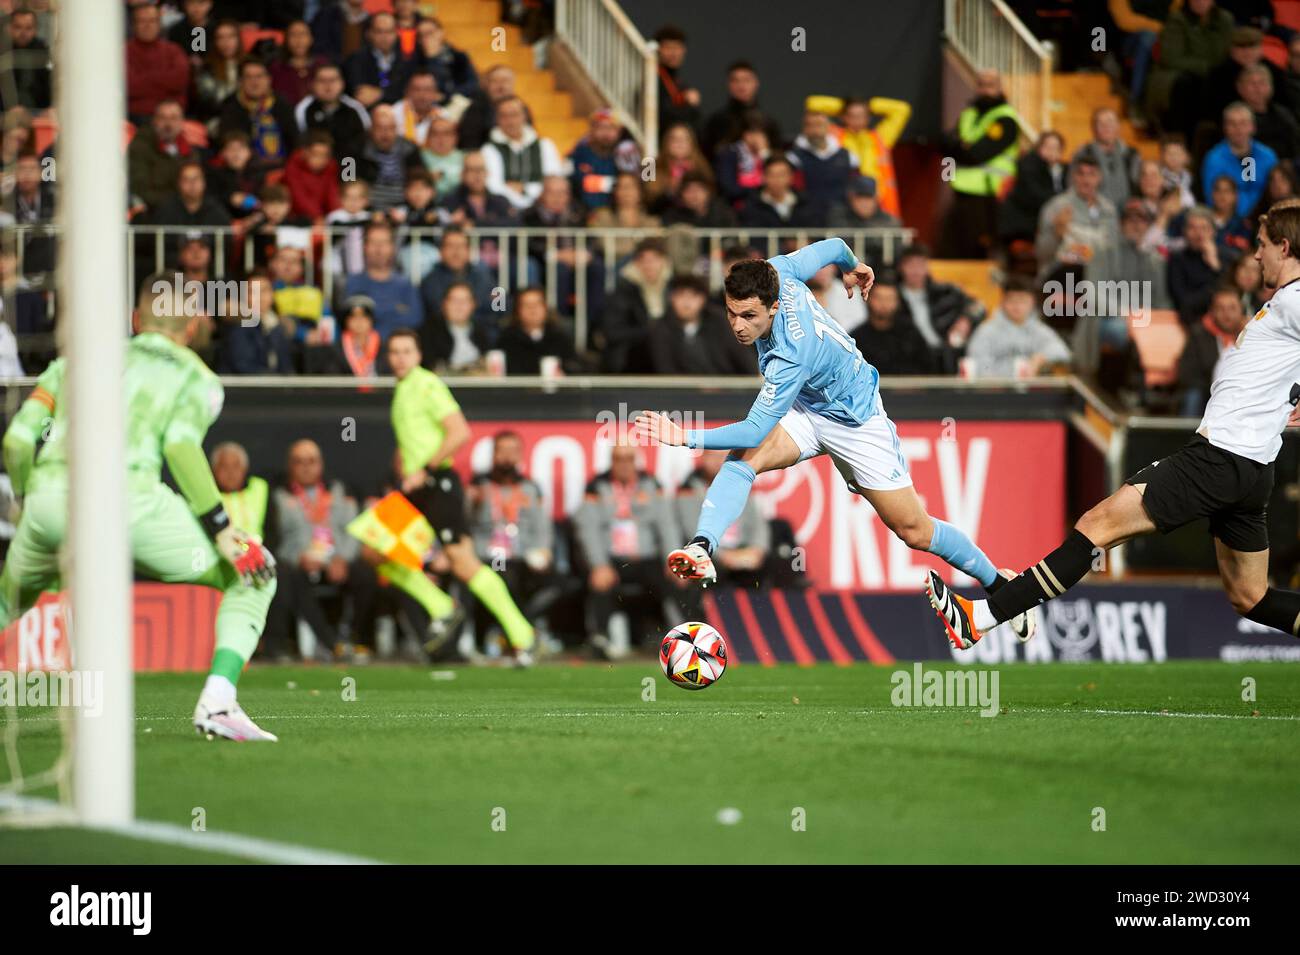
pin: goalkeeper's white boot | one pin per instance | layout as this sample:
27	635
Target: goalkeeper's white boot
215	718
693	562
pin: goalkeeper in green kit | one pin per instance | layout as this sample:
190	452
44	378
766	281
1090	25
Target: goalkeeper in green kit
172	398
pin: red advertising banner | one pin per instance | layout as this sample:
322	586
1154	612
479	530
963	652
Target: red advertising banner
1001	482
174	630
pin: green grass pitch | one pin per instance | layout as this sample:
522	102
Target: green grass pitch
572	764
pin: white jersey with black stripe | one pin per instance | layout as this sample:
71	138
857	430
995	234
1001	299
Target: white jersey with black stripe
1251	397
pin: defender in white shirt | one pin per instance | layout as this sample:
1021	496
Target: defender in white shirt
1225	472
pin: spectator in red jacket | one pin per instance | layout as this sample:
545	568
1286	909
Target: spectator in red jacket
156	69
312	176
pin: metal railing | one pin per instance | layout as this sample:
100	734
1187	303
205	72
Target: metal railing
989	35
515	257
621	64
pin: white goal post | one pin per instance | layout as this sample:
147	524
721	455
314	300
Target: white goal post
91	177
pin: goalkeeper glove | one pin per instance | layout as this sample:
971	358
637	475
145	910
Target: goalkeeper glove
252	561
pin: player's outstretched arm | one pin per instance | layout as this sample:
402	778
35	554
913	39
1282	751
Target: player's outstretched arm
30	425
252	561
811	259
780	387
21	438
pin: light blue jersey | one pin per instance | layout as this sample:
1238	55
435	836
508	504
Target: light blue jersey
807	356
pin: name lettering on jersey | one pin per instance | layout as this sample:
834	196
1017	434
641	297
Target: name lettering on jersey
792	326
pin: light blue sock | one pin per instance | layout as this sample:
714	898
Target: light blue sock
960	551
725	500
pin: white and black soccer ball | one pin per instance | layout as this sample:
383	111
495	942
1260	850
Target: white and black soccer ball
693	655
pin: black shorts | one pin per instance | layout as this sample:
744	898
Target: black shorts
442	502
1200	480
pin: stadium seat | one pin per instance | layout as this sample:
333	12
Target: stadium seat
1287	13
251	36
44	130
195	133
1160	344
1275	51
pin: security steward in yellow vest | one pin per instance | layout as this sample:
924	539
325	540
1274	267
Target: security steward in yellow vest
985	147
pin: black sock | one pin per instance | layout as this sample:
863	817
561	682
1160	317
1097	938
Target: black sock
1279	609
994	587
703	542
1049	578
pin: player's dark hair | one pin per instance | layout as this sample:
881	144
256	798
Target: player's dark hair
776	159
741	65
753	278
1282	221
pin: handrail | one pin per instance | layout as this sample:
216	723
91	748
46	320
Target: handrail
987	34
631	383
618	60
516	255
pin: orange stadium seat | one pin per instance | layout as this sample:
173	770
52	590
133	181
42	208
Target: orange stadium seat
1160	344
44	130
1287	13
249	36
1275	51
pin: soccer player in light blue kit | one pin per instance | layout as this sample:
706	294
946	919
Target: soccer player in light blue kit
819	396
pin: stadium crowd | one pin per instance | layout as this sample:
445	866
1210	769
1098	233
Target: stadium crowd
259	128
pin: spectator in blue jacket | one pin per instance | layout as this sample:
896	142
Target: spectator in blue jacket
451	67
377	73
338	30
777	204
455	267
257	343
599	157
822	166
397	301
1239	156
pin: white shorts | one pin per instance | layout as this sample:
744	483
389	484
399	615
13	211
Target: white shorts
867	455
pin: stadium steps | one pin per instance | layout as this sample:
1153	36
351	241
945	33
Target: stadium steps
469	25
1075	96
972	276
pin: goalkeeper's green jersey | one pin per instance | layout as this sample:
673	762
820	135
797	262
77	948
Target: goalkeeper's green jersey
171	397
421	402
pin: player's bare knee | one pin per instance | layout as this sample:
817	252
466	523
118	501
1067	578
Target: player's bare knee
915	534
1246	597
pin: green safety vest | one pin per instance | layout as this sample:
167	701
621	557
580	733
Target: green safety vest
247	508
988	179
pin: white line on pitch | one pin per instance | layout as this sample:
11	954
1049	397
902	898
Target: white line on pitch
166	833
